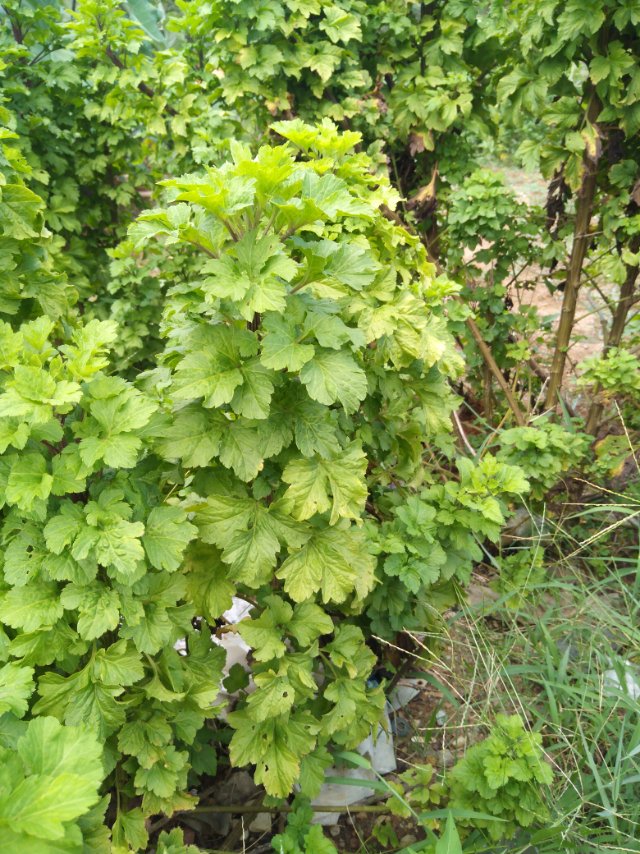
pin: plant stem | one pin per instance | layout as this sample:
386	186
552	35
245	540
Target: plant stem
497	373
581	238
457	424
254	809
202	248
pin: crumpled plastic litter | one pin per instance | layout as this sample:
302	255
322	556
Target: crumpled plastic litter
632	683
379	751
236	649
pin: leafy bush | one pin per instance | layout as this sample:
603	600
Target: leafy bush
521	572
49	786
248	391
503	776
305	360
486	218
617	373
490	238
403	75
432	540
90	600
305	366
104	110
544	452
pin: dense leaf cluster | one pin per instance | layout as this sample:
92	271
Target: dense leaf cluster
248	391
305	368
49	787
501	776
305	365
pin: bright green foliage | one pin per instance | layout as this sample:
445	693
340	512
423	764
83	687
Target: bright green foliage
503	776
49	782
485	211
432	540
105	105
289	439
553	41
521	572
490	237
617	373
274	449
416	791
300	836
305	367
173	843
94	593
407	77
544	452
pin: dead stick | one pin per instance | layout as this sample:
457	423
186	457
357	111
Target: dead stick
455	418
243	809
497	373
540	372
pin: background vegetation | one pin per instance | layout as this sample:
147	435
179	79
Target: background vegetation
331	308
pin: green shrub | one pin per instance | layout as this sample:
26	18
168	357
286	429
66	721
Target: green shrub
520	573
432	539
304	370
617	373
544	452
504	776
305	367
486	218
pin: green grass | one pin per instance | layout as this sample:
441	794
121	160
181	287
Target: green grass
547	654
551	659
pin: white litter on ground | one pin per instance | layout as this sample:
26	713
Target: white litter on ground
405	691
632	686
380	753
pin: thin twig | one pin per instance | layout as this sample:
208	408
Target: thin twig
244	809
497	373
460	431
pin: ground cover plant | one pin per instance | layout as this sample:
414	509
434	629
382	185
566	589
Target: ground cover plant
273	329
